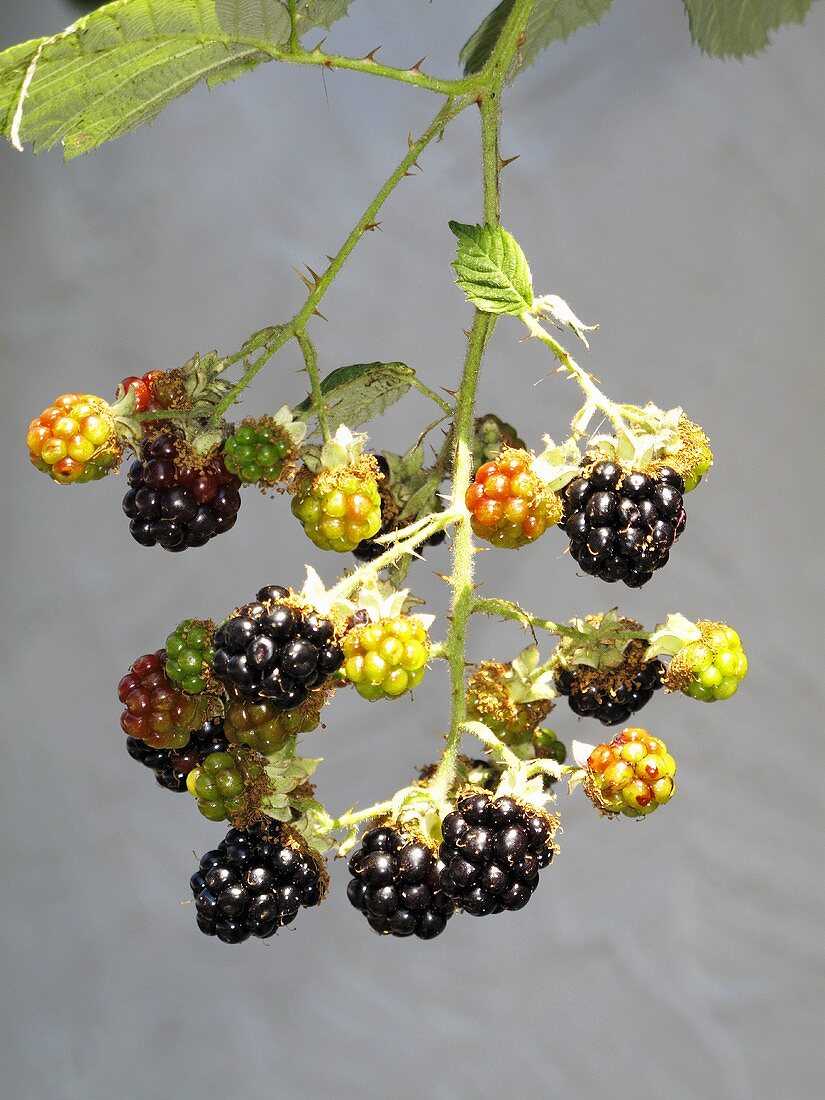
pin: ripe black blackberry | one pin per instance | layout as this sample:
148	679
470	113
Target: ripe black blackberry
273	649
611	695
493	850
172	766
395	884
369	549
255	882
176	504
622	525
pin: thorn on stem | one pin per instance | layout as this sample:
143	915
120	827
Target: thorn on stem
416	68
503	162
370	227
371	55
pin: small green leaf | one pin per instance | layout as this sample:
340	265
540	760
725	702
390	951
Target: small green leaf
356	394
551	21
491	269
739	28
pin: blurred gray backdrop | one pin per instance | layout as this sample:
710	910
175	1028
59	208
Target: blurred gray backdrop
676	200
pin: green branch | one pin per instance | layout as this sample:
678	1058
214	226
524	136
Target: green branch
461	578
311	360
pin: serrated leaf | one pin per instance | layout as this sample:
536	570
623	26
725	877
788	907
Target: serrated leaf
491	269
356	394
740	28
551	21
121	65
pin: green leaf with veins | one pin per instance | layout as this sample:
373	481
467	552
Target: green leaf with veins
358	393
551	21
739	28
491	269
121	65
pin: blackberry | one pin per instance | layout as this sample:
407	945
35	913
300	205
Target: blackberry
258	452
384	659
228	783
510	506
74	440
172	766
255	882
611	695
156	711
340	507
189	653
621	524
711	668
264	727
275	649
630	775
493	851
396	885
176	504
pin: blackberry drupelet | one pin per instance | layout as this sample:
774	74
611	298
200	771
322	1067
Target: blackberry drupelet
611	695
255	882
172	766
621	525
175	504
395	884
274	649
493	851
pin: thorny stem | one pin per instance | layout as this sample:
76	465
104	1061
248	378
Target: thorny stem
504	609
353	817
461	578
271	340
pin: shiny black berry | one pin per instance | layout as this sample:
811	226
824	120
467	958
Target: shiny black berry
176	505
492	852
621	525
172	766
255	882
273	650
395	884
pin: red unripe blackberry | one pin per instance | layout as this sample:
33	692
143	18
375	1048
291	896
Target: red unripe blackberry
622	524
510	505
156	711
395	884
172	766
177	502
255	882
493	851
611	695
276	649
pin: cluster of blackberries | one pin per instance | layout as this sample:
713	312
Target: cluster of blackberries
178	505
369	549
396	885
271	649
172	766
493	850
610	696
254	882
622	525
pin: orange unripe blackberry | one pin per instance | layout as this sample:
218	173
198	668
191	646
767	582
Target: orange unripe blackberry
510	505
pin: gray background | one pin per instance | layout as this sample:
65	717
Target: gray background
676	200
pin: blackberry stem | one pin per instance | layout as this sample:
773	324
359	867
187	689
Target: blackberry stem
311	360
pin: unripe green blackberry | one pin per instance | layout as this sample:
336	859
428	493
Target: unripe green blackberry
265	728
384	659
258	452
341	507
711	668
226	783
189	653
630	775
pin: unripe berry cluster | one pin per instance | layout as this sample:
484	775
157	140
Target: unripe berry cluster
509	505
386	658
339	508
74	439
711	668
